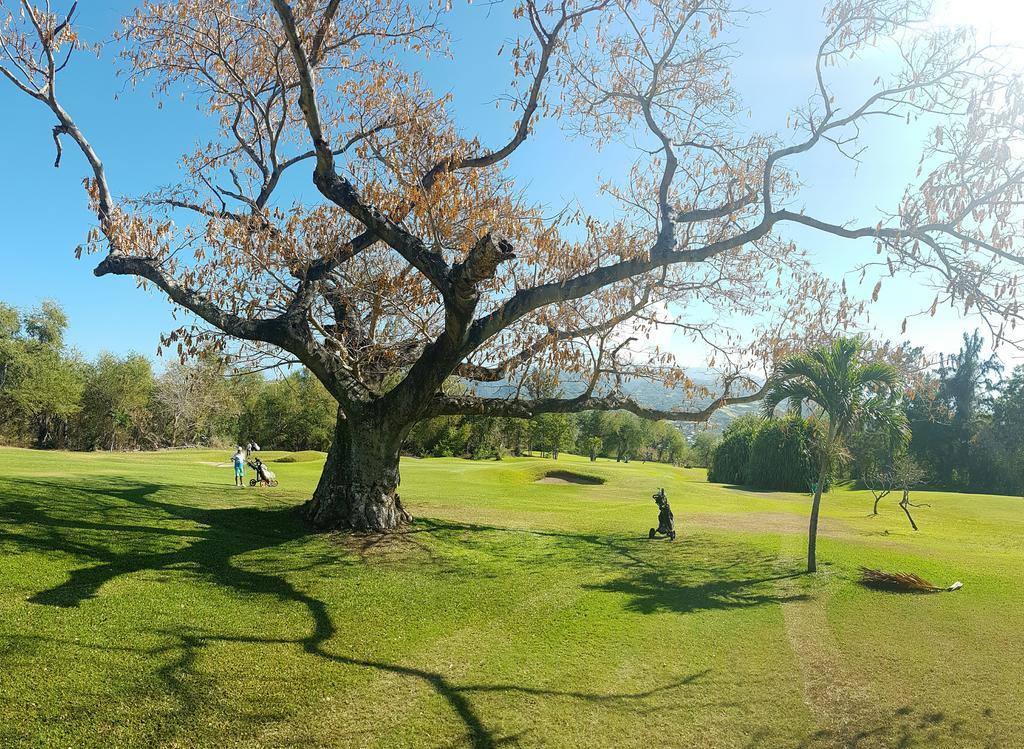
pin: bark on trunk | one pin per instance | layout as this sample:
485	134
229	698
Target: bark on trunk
358	487
812	531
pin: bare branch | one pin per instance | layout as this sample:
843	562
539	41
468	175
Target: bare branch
448	405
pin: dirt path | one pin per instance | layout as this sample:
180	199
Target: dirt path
843	706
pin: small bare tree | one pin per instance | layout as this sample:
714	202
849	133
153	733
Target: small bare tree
901	474
908	474
880	481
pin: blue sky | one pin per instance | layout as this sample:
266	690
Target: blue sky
44	214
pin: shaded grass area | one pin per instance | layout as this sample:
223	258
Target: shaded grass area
145	602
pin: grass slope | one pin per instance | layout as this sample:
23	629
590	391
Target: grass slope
144	602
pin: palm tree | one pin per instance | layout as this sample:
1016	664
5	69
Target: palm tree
846	391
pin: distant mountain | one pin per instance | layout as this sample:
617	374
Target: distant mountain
653	395
658	396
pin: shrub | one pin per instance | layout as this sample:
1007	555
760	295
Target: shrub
729	461
780	455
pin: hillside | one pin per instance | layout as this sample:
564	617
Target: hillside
652	394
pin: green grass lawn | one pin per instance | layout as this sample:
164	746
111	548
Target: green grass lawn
145	602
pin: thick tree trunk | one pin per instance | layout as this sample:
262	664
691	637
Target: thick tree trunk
358	487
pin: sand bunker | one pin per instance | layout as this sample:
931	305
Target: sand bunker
568	477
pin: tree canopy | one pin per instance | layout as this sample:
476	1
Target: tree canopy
40	385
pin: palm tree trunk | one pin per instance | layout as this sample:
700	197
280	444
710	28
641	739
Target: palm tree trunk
812	531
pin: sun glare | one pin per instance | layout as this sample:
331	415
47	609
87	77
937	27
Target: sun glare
996	21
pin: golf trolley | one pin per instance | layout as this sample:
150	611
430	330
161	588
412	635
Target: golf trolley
264	476
666	521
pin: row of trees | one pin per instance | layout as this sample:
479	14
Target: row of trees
51	397
784	454
962	428
618	434
970	436
967	426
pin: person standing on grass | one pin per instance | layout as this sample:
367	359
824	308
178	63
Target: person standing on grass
239	463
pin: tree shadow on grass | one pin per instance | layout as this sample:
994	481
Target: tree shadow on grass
904	728
695	573
121	528
652	592
456	695
207	543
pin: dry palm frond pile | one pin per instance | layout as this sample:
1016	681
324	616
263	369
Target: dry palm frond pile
901	581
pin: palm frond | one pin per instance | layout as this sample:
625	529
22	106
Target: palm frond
879	373
836	380
800	365
887	415
901	581
792	390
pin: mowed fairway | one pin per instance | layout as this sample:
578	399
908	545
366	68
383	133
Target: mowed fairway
144	602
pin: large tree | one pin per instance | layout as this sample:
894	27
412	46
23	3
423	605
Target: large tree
426	259
947	425
40	382
1004	437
